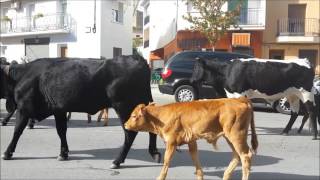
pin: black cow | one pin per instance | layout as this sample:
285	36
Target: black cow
10	105
8	95
55	86
257	78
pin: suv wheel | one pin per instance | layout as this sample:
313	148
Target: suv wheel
185	93
283	106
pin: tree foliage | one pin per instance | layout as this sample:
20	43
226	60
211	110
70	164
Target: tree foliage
211	20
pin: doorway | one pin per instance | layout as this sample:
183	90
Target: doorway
276	54
296	19
310	54
36	48
64	51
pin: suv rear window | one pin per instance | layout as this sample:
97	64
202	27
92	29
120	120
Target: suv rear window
183	60
186	60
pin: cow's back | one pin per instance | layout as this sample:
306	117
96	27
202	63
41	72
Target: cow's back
79	85
267	77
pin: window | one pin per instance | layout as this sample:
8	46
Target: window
117	14
3	50
243	50
4	12
185	60
139	20
189	6
117	52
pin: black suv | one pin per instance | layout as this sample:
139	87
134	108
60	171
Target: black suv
178	71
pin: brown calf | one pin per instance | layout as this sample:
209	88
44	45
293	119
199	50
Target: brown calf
184	123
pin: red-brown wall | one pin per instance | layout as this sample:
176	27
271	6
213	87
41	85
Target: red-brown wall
225	43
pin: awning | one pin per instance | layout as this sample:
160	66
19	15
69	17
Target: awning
154	57
240	39
156	54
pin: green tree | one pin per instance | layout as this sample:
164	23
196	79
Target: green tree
211	20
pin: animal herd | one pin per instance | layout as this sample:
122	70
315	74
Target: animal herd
56	86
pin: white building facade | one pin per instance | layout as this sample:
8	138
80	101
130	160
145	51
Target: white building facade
65	28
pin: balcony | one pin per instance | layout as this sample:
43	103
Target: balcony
41	24
250	16
298	30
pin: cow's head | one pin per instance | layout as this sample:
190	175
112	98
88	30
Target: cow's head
206	71
138	120
198	71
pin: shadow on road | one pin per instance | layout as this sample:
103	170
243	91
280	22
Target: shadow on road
264	175
207	158
73	123
277	131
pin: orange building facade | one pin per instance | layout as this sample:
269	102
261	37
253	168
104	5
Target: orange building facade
248	42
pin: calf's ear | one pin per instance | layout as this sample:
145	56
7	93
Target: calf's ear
151	104
142	111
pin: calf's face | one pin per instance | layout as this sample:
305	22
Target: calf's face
137	120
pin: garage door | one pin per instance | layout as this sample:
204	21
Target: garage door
37	51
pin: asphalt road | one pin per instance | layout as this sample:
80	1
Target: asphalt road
93	148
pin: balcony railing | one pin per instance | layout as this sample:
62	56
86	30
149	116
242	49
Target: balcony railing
250	16
298	27
36	24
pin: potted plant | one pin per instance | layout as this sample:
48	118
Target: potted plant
35	17
8	20
38	15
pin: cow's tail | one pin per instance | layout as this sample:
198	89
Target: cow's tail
254	137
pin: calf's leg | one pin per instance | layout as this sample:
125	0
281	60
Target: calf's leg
233	163
21	123
241	147
193	150
170	149
103	115
61	126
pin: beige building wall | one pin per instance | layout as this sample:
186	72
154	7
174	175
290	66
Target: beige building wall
278	9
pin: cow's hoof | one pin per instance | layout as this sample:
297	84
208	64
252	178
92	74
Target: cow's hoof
3	124
156	157
285	133
114	166
6	156
62	158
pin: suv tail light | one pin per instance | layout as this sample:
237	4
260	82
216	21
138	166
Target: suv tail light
166	73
